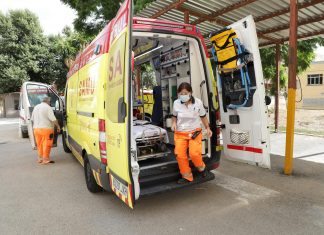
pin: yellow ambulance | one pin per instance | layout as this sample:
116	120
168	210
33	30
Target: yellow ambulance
133	155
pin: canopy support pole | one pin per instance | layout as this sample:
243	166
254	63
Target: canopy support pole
291	88
277	85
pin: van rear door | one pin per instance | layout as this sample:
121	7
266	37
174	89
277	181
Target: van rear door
118	106
245	130
33	93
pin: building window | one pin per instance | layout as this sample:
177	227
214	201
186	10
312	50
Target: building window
315	79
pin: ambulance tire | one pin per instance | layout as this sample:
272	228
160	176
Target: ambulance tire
90	180
65	147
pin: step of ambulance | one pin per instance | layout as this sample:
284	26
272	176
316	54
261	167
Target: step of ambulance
159	170
174	185
171	166
165	173
158	179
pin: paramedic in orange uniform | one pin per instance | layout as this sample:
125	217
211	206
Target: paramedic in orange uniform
43	123
188	114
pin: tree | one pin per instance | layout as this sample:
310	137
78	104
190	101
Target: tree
22	49
148	76
141	4
93	15
268	56
305	55
27	55
63	48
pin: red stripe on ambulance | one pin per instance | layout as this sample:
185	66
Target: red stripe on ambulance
244	148
102	141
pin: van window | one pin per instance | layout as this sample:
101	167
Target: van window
36	93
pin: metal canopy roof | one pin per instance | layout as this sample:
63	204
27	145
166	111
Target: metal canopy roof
271	16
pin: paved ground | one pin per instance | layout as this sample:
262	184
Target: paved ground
309	148
243	199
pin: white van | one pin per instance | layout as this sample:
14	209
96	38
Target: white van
31	94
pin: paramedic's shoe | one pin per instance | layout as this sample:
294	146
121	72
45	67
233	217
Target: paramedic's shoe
204	173
45	162
183	181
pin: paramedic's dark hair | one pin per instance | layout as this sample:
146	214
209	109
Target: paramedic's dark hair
185	85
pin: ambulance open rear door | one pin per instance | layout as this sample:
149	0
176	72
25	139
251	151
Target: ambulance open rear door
242	93
118	107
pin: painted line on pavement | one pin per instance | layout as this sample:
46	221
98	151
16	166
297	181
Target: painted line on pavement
244	188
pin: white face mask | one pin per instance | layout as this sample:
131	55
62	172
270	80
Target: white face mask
184	98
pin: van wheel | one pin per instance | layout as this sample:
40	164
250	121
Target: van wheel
65	147
90	180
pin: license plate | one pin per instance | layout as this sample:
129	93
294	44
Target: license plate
120	187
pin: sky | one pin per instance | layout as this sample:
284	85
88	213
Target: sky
53	14
319	54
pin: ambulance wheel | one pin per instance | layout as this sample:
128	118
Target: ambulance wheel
90	180
65	147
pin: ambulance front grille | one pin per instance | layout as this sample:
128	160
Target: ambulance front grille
239	137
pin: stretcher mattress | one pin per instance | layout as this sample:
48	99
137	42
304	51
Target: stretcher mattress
145	131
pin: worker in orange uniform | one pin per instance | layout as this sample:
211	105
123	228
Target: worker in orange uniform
43	123
188	114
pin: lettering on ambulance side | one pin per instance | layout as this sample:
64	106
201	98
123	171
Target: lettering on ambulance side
111	140
115	70
86	87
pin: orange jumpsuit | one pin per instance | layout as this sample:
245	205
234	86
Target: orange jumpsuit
188	121
43	118
44	141
182	142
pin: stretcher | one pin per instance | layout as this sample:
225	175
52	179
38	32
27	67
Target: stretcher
150	140
234	64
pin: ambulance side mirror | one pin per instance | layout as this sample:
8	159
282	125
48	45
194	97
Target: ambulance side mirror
267	100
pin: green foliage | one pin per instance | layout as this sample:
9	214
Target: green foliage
268	56
148	76
305	55
140	4
26	54
64	48
93	15
22	49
